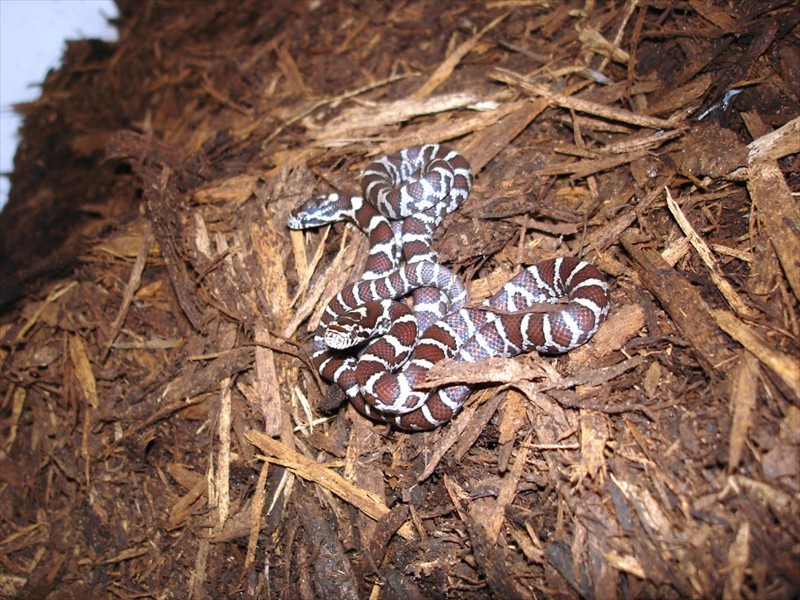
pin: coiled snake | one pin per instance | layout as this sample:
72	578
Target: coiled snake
405	197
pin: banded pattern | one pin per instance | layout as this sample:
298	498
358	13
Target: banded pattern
340	367
419	185
417	179
504	329
415	189
390	242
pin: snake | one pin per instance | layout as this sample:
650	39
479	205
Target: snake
377	349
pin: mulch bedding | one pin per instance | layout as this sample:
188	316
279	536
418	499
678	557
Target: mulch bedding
161	427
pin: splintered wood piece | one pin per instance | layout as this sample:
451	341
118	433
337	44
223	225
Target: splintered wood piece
83	370
508	491
161	204
777	144
503	370
466	427
442	130
291	72
311	107
366	502
708	258
200	569
444	70
594	436
87	383
134	281
638	141
257	508
57	291
682	301
471	423
685	95
330	568
265	238
513	418
783	365
648	523
594	41
355	121
583	106
326	287
779	212
18	395
744	384
305	269
221	498
375	550
584	168
196	486
611	232
490	556
267	381
484	145
363	472
623	325
738	560
716	16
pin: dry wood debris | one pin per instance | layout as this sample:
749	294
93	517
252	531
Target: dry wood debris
161	425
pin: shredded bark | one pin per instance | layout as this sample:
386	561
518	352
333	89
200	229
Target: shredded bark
164	434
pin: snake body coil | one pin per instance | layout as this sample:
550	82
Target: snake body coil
406	196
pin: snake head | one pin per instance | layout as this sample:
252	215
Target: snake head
321	210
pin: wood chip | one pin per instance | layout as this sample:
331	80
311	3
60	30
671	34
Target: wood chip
783	365
691	313
278	453
779	212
